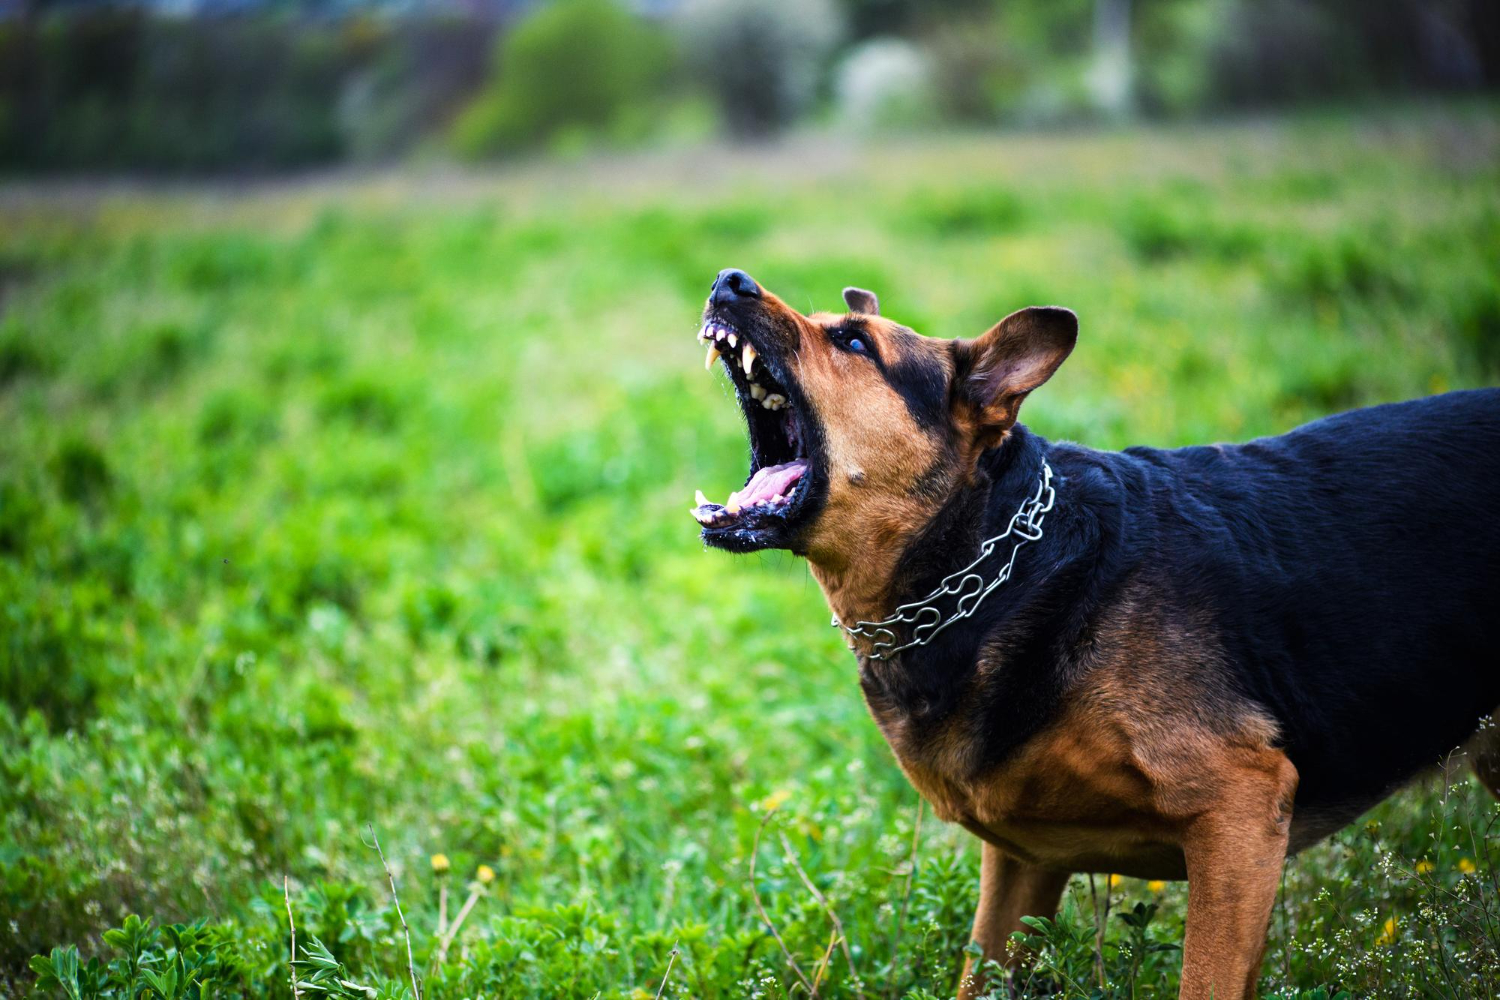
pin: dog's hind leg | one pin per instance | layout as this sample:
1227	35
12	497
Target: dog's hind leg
1234	851
1008	890
1484	753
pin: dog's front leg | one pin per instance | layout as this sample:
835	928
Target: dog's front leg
1008	890
1234	853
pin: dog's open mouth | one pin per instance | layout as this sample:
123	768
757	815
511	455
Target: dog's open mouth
767	510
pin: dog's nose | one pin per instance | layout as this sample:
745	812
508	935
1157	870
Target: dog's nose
733	284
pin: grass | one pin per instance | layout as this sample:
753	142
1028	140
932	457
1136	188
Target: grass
365	502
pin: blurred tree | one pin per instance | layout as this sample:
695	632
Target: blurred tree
871	18
1110	77
763	59
414	84
1270	51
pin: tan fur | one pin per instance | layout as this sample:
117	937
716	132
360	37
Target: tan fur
874	507
1111	784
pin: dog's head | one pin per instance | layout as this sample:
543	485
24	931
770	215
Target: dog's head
860	429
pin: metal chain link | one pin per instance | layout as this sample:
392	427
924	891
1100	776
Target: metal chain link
968	586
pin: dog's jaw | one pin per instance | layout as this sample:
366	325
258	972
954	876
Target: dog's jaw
779	496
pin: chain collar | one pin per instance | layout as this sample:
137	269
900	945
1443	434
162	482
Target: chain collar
966	584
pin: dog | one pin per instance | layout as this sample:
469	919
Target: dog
1166	664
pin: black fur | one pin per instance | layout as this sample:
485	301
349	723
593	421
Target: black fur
1349	570
918	379
922	384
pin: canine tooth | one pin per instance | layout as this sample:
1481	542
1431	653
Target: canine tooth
757	391
733	340
702	500
747	357
713	355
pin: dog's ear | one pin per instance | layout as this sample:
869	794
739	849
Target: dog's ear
860	301
994	372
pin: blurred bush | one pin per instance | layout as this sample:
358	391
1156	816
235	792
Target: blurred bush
885	82
976	70
570	67
763	59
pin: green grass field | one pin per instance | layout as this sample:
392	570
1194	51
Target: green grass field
364	501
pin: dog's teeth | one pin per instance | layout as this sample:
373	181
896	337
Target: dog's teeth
778	498
713	355
733	340
702	500
747	357
733	508
773	401
757	391
703	335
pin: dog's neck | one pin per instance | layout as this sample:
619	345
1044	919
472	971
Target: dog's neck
901	562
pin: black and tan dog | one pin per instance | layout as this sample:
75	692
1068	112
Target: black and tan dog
1168	664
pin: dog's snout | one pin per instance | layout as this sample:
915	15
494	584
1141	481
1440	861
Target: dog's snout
733	284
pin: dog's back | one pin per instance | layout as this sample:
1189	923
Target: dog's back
1352	568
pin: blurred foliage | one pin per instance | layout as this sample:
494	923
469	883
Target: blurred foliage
286	85
574	66
330	505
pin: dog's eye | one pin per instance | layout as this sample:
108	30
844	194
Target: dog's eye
851	342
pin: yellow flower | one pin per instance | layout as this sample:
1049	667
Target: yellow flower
1466	866
485	873
440	863
1114	881
1424	866
1156	885
1388	934
775	800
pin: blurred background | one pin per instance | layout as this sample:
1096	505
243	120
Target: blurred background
351	411
197	86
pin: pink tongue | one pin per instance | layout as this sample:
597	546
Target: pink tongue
769	483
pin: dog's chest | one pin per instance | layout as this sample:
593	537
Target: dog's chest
1074	796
